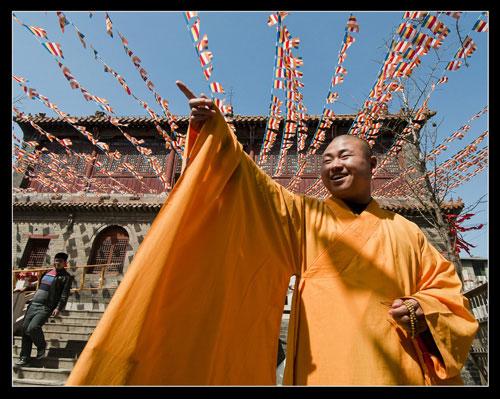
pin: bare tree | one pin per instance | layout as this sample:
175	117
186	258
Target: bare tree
421	179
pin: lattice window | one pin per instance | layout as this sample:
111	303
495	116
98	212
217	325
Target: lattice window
313	165
290	164
270	164
108	164
110	246
139	163
35	252
77	163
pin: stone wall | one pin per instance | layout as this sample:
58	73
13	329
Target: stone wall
76	238
74	230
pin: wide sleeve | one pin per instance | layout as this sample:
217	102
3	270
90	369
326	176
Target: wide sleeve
201	303
447	313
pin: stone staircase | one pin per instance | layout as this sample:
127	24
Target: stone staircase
66	336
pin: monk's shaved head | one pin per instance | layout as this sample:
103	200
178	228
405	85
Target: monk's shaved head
347	168
358	141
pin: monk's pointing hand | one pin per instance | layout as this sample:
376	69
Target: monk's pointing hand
400	314
202	108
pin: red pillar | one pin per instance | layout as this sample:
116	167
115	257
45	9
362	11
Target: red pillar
170	166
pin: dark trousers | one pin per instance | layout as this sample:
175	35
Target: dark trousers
36	316
18	303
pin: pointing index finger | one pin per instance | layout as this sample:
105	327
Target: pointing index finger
185	90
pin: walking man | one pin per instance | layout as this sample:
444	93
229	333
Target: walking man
48	301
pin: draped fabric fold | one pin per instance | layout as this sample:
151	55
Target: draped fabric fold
202	300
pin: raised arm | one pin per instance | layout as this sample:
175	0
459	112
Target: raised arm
202	108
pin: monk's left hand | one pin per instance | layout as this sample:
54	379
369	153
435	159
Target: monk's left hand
400	314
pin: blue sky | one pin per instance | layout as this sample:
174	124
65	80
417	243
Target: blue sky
244	47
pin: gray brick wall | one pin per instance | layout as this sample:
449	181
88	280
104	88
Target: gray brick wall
76	239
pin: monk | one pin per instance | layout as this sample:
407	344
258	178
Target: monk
201	303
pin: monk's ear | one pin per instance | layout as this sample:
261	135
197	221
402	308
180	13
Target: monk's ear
373	162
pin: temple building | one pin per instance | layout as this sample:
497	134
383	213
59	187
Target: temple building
94	223
102	213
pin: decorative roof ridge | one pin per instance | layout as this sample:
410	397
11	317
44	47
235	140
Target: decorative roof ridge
42	118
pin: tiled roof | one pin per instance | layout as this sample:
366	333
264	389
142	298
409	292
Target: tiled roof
102	119
391	204
413	206
91	206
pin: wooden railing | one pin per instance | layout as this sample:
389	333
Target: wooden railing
80	277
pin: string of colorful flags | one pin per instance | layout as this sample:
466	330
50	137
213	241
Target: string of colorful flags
447	174
431	155
175	140
466	158
106	107
55	179
275	115
423	43
433	23
285	67
403	57
71	174
480	161
170	139
327	116
467	47
33	94
436	26
205	56
295	125
86	158
401	60
29	162
408	46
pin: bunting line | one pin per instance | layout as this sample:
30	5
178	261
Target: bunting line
102	146
327	116
275	117
458	134
169	141
205	56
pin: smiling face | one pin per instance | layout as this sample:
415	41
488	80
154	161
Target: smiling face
347	169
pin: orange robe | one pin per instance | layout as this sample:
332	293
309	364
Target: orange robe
202	301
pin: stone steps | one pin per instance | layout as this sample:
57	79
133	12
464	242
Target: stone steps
72	321
55	348
86	306
77	311
26	382
41	373
58	328
49	362
66	336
